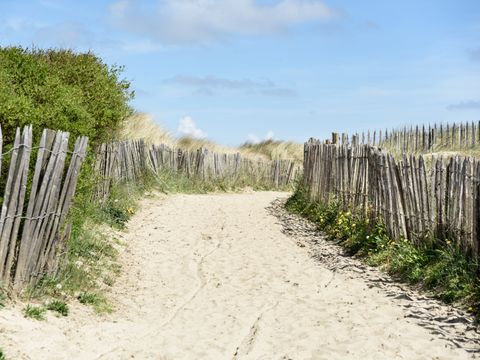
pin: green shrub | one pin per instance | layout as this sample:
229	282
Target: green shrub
61	90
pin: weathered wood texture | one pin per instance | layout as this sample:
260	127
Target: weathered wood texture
35	205
417	200
129	160
418	139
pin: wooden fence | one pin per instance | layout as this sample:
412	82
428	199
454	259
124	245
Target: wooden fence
416	199
418	139
129	160
33	232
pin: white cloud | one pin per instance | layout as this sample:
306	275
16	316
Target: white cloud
209	84
255	139
201	21
270	135
188	128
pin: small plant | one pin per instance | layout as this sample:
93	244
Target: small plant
98	302
108	280
116	216
453	275
59	307
35	312
2	355
88	298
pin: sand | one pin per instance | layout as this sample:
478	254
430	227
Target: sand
216	277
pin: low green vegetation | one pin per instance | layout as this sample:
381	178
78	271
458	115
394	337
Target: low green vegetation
3	297
38	312
172	182
59	307
2	355
35	312
438	267
96	300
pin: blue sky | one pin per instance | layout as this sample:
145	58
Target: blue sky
234	70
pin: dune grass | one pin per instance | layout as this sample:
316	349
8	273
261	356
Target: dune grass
142	126
273	149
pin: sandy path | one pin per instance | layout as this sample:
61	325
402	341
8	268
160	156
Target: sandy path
213	277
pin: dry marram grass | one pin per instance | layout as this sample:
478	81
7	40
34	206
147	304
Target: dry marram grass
143	126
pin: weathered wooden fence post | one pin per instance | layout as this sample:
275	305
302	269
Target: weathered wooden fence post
30	236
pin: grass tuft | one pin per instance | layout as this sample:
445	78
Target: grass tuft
97	301
3	298
35	312
59	307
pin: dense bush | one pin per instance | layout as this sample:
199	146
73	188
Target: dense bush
61	90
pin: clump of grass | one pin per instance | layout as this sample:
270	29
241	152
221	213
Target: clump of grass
88	298
58	307
437	266
3	298
117	216
108	280
35	312
2	355
97	301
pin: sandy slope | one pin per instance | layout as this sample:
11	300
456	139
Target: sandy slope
213	277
